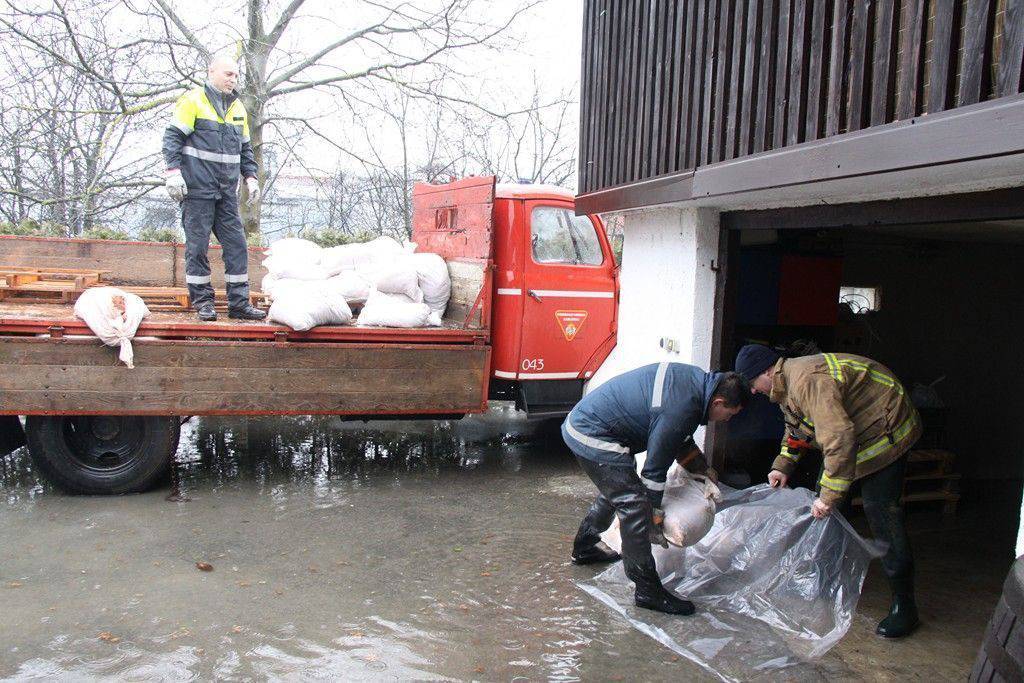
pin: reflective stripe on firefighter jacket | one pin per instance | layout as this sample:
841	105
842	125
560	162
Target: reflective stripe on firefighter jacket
208	139
851	408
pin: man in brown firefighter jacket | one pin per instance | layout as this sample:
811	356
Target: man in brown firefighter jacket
858	415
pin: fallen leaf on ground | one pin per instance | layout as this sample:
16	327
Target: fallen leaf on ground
204	566
236	629
244	584
14	584
108	637
485	573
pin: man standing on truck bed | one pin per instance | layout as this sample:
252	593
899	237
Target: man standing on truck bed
858	415
205	146
656	409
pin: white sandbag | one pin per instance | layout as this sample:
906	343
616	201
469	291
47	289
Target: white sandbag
267	285
434	280
293	248
396	276
352	286
294	267
335	260
384	310
690	505
113	315
304	310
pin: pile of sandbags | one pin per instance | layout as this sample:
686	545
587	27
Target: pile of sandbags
393	286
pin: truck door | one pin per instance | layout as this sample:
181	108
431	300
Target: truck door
569	298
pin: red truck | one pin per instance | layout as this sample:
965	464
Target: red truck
532	316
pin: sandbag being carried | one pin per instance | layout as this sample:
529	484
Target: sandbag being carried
383	310
114	316
303	308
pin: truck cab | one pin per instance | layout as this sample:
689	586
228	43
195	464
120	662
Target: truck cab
554	283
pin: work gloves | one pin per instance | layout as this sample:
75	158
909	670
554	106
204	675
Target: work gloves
253	186
174	184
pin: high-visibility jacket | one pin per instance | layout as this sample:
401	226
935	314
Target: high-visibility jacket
851	408
654	408
208	139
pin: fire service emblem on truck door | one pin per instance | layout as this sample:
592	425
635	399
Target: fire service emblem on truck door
570	322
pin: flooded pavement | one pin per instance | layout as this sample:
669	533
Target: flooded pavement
381	551
390	551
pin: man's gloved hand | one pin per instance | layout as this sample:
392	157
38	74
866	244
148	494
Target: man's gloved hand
777	480
711	474
657	533
253	186
175	186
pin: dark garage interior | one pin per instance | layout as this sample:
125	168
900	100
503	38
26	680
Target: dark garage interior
941	305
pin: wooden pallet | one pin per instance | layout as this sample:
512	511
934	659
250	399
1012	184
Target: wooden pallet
46	285
171	299
930	478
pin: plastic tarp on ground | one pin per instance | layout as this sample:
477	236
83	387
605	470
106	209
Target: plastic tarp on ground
774	588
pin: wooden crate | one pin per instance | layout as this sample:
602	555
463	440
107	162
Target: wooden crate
929	477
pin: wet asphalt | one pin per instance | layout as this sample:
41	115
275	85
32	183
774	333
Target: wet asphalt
346	550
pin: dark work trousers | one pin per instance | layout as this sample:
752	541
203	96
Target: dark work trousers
622	493
199	217
881	492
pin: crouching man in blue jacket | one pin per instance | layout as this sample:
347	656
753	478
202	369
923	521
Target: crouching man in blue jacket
656	409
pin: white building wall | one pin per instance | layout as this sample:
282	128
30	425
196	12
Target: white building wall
667	290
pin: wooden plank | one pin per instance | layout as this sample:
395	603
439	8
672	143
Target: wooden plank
765	80
907	76
750	78
781	73
813	124
695	138
216	378
649	78
939	94
666	121
883	63
596	162
975	35
858	57
679	140
797	71
1008	82
836	69
722	86
587	86
736	84
710	57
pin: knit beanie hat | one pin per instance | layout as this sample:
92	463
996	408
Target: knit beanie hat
753	359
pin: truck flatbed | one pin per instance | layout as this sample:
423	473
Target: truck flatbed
57	320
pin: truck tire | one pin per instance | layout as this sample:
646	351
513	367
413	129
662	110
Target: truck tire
103	455
1001	657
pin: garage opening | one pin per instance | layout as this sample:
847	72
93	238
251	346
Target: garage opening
942	305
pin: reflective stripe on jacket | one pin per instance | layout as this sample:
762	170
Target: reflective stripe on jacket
852	408
654	408
208	139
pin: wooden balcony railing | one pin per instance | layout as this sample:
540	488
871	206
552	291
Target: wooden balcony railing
672	85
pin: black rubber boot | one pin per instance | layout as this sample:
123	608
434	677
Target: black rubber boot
250	312
206	313
588	548
650	594
902	619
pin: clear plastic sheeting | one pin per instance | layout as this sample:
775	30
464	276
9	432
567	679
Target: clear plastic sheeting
774	588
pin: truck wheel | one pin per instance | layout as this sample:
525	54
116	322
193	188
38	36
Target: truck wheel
102	455
1001	657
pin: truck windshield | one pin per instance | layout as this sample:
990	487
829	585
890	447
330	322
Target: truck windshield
559	236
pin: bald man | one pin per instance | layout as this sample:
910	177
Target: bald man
206	148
